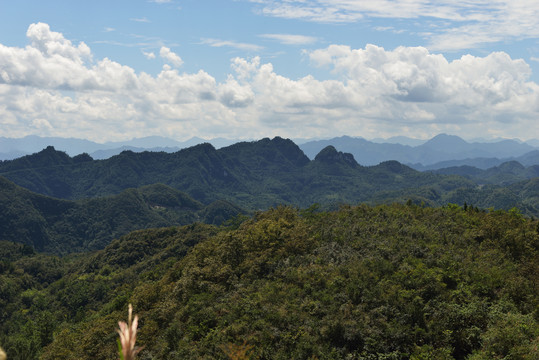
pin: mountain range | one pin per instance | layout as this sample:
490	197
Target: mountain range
528	159
419	154
251	174
441	148
12	148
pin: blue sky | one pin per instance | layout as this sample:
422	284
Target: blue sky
246	69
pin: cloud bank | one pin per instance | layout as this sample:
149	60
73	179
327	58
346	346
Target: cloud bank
55	87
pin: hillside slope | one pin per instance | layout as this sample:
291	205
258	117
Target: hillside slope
393	282
62	226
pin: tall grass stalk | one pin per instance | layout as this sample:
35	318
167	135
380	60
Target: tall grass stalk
128	336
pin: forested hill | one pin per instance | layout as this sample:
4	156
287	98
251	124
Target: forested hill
64	226
385	282
256	175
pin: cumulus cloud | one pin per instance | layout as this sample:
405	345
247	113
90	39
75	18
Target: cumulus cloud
171	57
52	44
233	94
56	87
470	91
414	74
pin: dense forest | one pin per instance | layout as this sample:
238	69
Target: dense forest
63	226
361	282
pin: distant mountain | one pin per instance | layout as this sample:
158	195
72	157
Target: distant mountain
440	148
63	226
31	144
420	153
528	159
449	144
403	140
365	152
12	148
105	154
533	142
479	163
10	155
509	172
153	141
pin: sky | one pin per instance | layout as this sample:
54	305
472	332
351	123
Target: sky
246	69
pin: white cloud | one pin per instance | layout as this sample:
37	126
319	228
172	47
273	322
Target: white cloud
290	39
170	56
52	44
389	28
233	44
149	55
233	94
41	124
415	75
374	92
461	24
141	20
349	11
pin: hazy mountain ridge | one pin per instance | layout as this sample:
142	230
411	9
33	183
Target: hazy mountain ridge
528	159
11	148
438	149
423	154
506	173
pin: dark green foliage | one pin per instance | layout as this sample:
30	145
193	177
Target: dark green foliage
44	297
385	282
61	226
220	211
